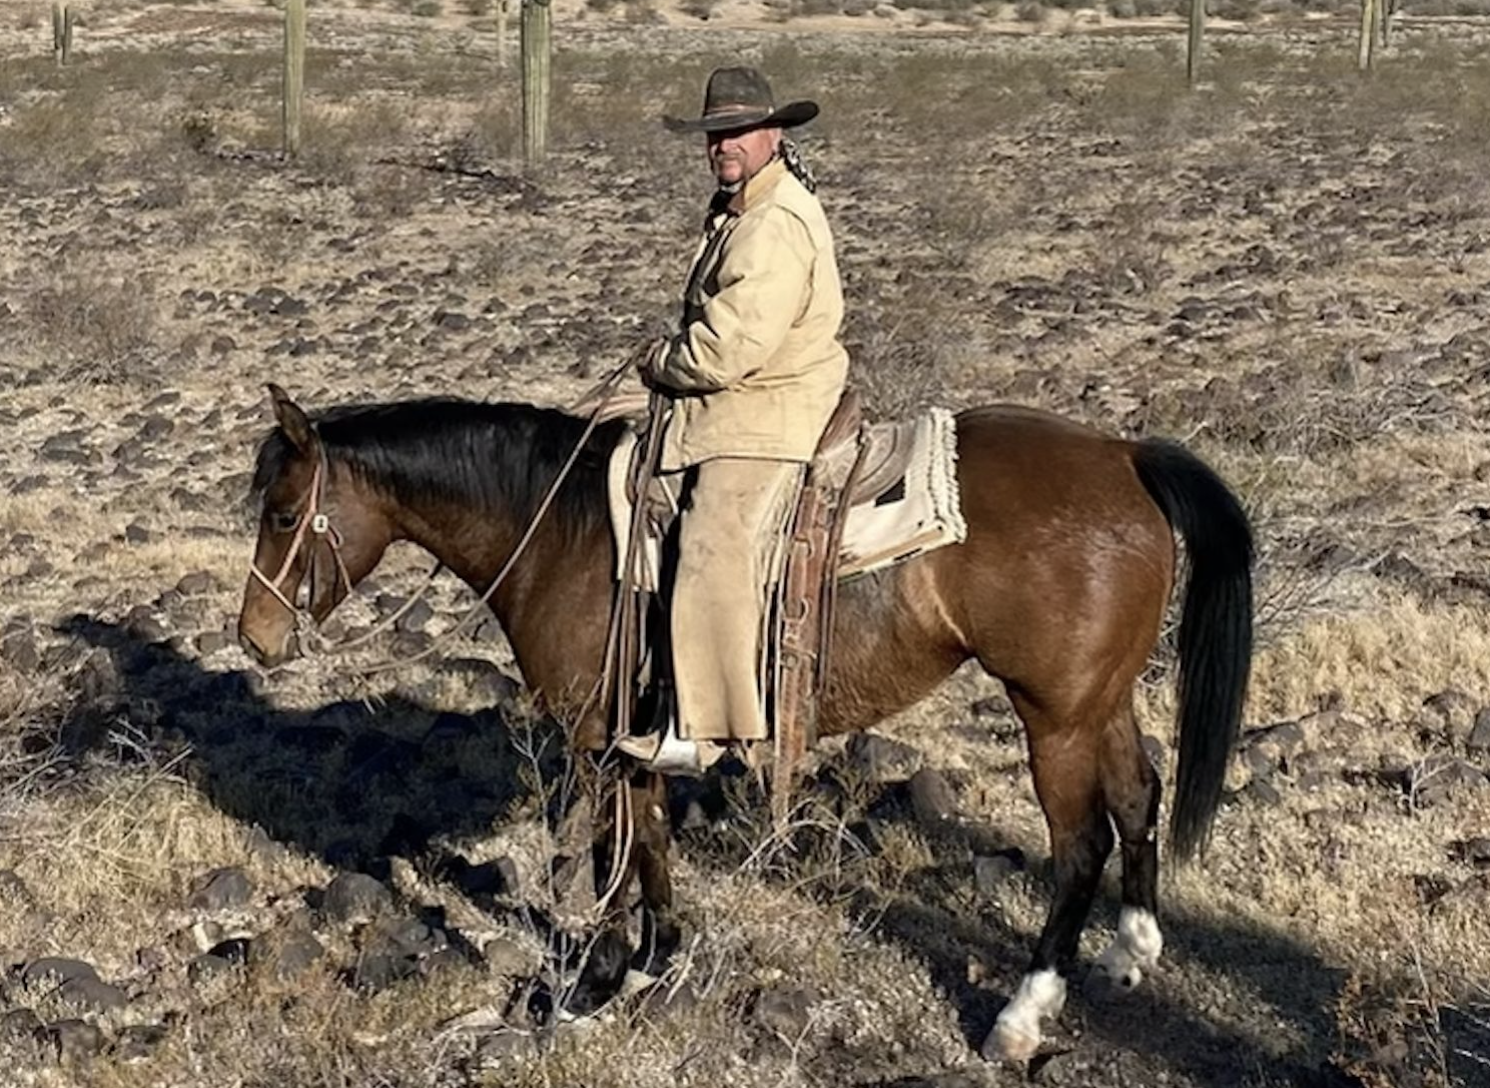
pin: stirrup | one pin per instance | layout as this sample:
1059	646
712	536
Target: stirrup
667	753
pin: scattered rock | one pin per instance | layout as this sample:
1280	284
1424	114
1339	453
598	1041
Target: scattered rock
1451	711
20	650
381	970
222	889
138	1042
90	993
932	797
58	970
992	872
1263	792
13	890
1475	852
74	1040
197	584
1154	749
144	625
1312	781
1276	743
19	1025
444	959
1479	735
205	968
295	953
1438	779
785	1011
356	898
415	620
880	759
410	937
507	958
211	642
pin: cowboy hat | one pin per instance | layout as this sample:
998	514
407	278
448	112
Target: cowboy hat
739	98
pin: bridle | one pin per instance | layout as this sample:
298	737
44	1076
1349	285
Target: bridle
314	525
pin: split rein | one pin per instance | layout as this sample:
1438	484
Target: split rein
314	527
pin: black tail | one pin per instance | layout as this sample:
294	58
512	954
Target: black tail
1215	641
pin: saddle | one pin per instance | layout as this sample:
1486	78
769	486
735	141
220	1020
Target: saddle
874	495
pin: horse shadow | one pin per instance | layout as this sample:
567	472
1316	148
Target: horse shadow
359	783
353	782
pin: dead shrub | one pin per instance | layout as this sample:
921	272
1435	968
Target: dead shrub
97	328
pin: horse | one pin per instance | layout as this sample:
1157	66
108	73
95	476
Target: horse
1059	590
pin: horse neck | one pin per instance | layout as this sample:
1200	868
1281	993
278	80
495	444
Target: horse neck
477	539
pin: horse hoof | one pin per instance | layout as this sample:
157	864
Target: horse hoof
1134	950
1113	976
1016	1032
1010	1044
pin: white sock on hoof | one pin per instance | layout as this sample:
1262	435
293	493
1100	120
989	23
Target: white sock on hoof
1016	1034
1135	949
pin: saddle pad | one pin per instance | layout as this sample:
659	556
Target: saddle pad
916	511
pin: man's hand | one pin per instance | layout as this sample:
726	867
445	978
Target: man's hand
650	360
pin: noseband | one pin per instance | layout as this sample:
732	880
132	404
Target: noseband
315	525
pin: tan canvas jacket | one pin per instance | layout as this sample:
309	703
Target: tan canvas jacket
757	368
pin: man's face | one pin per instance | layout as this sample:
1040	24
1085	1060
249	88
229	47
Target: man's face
737	156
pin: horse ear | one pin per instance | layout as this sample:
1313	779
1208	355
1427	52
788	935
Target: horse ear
292	419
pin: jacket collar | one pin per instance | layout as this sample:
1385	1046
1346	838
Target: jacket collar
752	192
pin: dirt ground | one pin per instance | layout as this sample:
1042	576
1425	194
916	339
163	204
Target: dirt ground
317	878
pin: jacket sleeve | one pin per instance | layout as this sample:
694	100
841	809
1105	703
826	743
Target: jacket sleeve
762	288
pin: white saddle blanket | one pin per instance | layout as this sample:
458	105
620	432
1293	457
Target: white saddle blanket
919	512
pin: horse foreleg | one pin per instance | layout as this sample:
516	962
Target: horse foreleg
653	839
1066	766
1130	789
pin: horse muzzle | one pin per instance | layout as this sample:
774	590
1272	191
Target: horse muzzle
269	658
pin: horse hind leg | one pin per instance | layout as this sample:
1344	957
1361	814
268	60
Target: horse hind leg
1130	788
1066	761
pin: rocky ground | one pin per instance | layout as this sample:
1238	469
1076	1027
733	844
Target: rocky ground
212	876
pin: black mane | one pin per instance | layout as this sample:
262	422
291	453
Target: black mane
495	458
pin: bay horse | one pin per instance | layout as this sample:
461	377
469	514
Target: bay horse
1059	591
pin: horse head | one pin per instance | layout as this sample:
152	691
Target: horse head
320	533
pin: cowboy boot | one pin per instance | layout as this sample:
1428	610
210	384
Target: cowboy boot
664	752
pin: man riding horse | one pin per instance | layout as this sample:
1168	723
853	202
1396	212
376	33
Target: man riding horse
752	377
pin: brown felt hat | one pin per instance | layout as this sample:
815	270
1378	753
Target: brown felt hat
741	98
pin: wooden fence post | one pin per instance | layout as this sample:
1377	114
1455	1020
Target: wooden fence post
1367	44
63	18
503	24
294	88
536	57
1197	41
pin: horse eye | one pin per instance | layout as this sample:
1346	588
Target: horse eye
284	521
